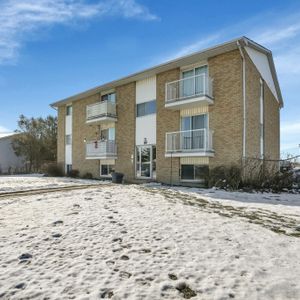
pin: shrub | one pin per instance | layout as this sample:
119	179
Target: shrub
55	170
225	177
73	173
87	176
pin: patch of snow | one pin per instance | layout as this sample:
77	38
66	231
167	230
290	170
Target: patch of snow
132	242
37	181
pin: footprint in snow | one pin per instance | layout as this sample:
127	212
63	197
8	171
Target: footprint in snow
58	222
125	275
56	235
107	294
25	256
124	257
117	240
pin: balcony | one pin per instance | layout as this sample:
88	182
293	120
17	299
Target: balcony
101	150
189	143
104	111
189	92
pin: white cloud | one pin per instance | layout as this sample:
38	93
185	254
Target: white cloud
4	129
20	18
196	46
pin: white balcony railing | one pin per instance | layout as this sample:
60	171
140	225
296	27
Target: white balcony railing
190	87
198	140
101	149
101	109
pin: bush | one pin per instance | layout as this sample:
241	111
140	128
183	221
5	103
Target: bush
54	170
225	177
87	176
74	173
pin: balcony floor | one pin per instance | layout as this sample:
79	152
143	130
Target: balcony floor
190	153
103	119
189	102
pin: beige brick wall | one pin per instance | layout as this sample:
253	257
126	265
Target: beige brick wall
61	117
272	125
125	130
253	109
167	121
225	115
81	130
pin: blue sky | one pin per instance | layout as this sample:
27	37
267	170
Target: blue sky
51	49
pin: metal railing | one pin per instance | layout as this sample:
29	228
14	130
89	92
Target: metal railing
101	109
189	141
185	88
101	149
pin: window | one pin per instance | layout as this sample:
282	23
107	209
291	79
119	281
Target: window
68	139
109	97
69	110
194	172
146	108
194	135
106	170
194	82
107	134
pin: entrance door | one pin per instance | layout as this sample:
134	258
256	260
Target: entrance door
146	161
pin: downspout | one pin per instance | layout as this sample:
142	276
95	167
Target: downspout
244	99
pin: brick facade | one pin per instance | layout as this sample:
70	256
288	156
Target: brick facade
226	114
166	121
225	119
125	130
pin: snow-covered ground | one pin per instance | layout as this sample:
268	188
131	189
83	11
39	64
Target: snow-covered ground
147	242
37	181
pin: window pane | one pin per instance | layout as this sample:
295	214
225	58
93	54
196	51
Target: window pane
186	123
104	134
201	70
151	107
69	110
201	172
104	170
111	169
187	172
112	97
140	110
199	122
104	97
111	134
146	108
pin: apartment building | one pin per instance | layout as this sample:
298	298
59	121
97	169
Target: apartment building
173	122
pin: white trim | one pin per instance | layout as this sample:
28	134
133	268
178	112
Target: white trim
190	154
102	119
193	102
101	157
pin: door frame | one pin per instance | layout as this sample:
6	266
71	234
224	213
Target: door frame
137	148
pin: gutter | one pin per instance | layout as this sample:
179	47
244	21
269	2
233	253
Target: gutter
244	98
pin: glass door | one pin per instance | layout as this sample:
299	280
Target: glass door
146	161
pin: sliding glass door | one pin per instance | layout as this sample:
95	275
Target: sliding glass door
193	132
194	82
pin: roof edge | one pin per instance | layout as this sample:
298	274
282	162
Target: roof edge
245	41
